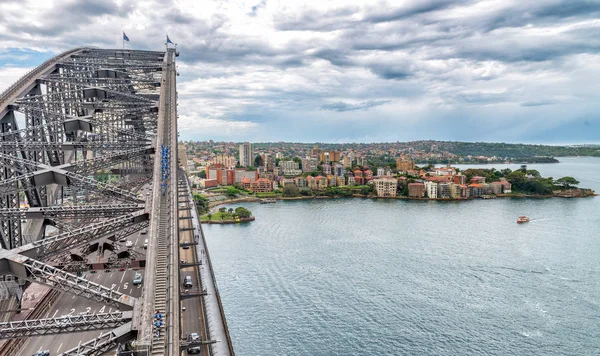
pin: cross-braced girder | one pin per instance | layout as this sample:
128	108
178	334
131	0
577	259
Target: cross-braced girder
103	343
39	272
64	324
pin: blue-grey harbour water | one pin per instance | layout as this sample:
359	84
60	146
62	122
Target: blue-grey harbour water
395	277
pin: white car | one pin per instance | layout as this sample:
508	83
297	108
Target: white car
129	244
193	337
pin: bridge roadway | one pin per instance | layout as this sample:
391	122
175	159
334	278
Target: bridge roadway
162	277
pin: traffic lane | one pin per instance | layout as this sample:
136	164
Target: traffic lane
69	304
192	317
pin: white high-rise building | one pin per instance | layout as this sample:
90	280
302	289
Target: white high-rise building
246	155
431	188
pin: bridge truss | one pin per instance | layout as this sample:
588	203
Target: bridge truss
77	139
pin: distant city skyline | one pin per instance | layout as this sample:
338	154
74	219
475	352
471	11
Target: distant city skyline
347	71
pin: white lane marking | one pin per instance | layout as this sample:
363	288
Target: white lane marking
110	275
130	290
98	277
57	350
123	276
136	240
109	310
118	289
73	297
56	312
40	348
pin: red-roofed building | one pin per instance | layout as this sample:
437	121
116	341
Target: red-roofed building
261	185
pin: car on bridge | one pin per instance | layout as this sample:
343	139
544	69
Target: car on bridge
44	353
187	282
194	350
129	244
137	279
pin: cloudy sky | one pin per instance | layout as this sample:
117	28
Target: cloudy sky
347	71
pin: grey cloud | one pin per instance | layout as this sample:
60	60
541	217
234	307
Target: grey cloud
313	20
382	13
391	72
341	106
537	103
254	9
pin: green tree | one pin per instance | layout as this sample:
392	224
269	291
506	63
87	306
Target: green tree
258	161
232	192
202	174
222	210
209	216
201	203
230	210
291	190
243	212
567	182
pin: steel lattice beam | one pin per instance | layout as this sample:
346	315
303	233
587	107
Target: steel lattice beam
39	272
64	324
71	211
64	242
103	343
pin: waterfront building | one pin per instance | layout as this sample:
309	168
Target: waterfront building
454	190
465	191
431	188
288	181
338	170
340	181
301	182
385	186
311	182
476	190
444	190
261	186
358	177
368	175
416	190
321	182
351	180
404	164
380	172
246	155
326	169
331	180
279	155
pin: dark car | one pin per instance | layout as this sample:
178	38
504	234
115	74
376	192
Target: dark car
42	353
193	350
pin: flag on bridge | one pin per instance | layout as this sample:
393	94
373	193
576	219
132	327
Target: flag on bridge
169	40
125	38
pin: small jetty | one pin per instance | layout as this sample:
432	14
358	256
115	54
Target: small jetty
268	200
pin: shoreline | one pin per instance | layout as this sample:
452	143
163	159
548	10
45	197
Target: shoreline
224	222
491	197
